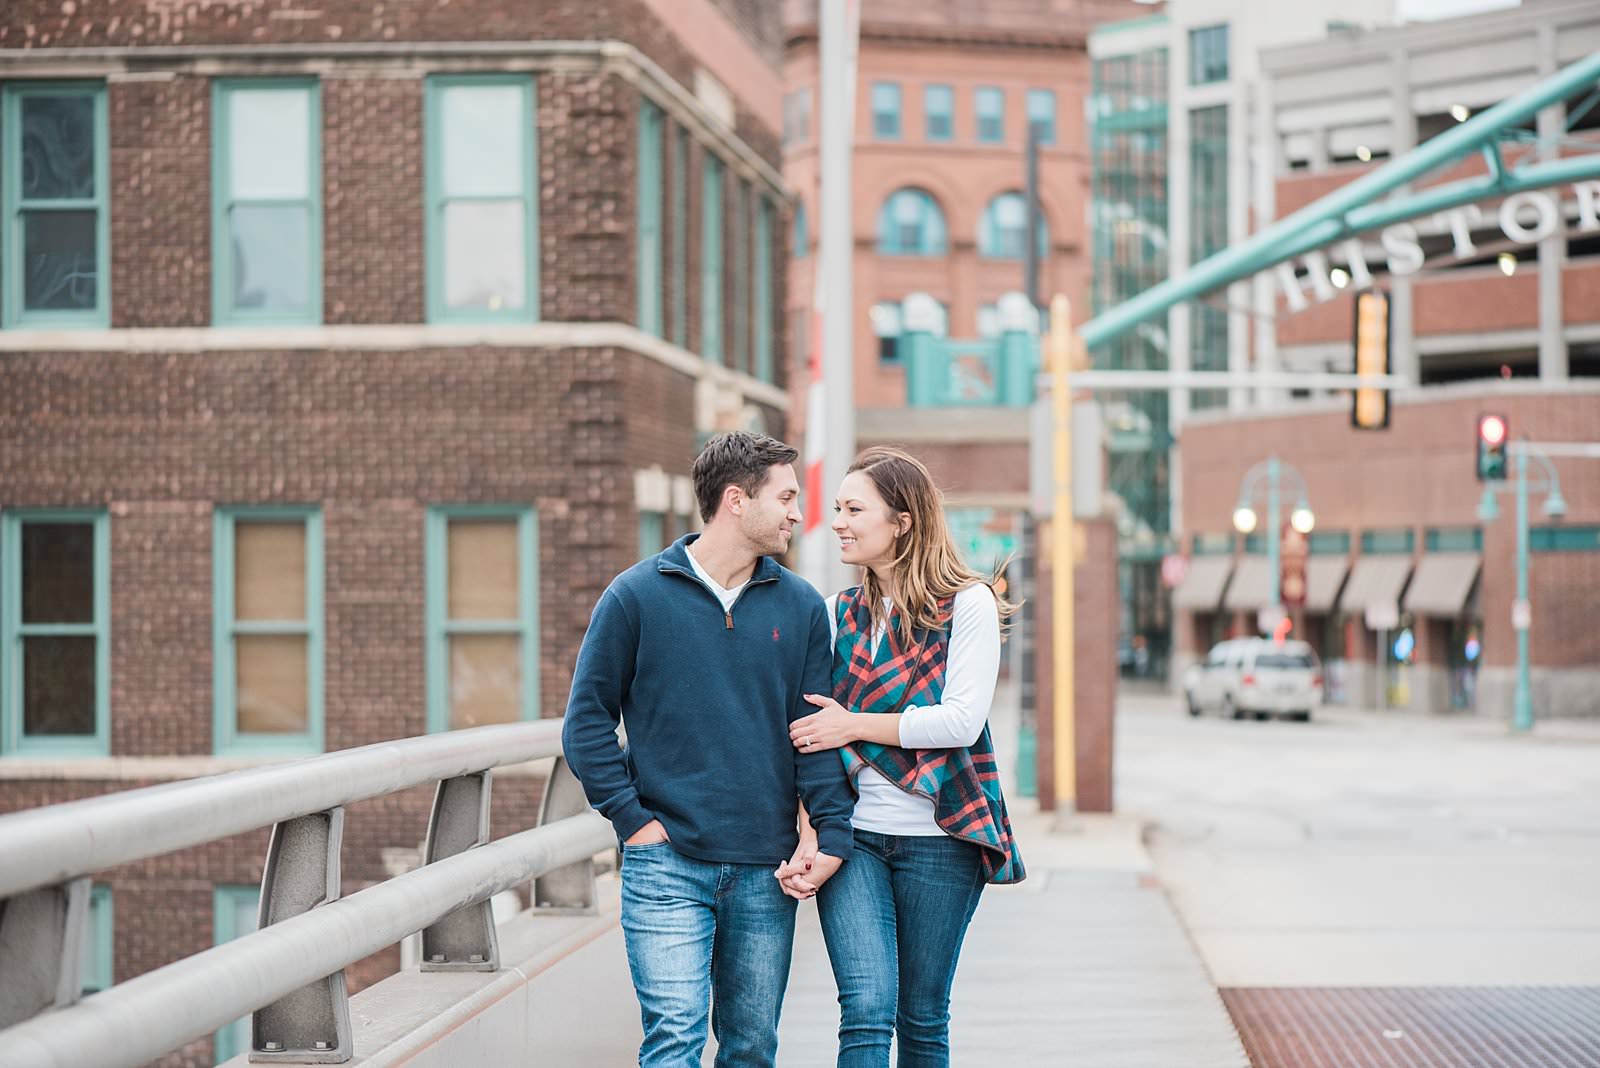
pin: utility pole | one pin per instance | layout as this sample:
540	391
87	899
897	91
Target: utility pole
1063	558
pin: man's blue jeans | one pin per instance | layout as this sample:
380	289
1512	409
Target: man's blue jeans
700	932
894	918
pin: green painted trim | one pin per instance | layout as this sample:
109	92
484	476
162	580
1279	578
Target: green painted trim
1142	23
12	631
438	627
226	738
1453	539
763	291
711	276
1388	542
740	349
1145	119
224	930
647	271
12	313
223	313
434	199
680	237
1562	539
98	969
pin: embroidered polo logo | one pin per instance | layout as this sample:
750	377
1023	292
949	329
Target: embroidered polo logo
775	634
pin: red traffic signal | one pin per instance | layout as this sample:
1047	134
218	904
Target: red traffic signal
1493	432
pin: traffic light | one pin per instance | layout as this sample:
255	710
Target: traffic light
1493	433
1369	407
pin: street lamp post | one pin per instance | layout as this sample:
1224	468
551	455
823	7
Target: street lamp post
1555	506
1271	473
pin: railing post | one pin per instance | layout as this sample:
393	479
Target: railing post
569	889
311	1025
463	941
41	949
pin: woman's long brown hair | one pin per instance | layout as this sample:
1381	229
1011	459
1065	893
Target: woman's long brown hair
927	567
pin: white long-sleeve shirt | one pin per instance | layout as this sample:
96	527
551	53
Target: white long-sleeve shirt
957	720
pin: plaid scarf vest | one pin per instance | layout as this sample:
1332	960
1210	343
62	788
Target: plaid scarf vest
963	784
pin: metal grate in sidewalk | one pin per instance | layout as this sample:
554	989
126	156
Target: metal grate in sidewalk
1418	1027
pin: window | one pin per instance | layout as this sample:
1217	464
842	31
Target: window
1453	540
802	239
266	202
1562	539
54	613
741	275
888	324
1208	54
990	104
95	971
763	291
1211	544
911	224
53	233
711	260
1330	543
1208	234
1042	115
1380	542
649	220
234	914
652	533
938	112
1004	222
886	111
680	237
797	117
267	618
482	616
482	221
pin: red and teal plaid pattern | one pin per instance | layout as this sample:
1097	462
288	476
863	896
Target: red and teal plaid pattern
963	784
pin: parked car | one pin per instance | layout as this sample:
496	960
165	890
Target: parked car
1255	676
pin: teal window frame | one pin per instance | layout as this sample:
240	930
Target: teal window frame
224	897
933	234
1453	540
1388	542
680	237
648	272
97	971
762	310
652	533
1042	115
711	274
886	101
223	313
436	610
1564	539
226	738
938	113
1329	543
742	229
989	114
12	632
12	313
435	200
1211	545
801	237
1208	54
990	246
1255	544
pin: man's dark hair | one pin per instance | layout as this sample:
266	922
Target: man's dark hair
737	458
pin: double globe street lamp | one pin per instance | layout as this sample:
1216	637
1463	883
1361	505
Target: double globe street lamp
1271	475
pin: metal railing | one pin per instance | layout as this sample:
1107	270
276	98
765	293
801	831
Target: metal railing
289	973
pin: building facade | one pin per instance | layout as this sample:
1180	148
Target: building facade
344	359
1491	310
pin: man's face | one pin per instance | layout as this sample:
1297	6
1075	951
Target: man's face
769	518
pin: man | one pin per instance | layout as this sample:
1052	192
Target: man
704	652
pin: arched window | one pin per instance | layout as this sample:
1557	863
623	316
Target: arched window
1000	230
802	238
911	224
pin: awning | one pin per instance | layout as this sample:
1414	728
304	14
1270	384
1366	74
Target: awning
1442	583
1249	589
1201	588
1324	576
1375	580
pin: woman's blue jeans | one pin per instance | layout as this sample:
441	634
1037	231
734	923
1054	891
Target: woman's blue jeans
894	918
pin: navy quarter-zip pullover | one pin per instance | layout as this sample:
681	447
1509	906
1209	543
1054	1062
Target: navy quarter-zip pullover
707	697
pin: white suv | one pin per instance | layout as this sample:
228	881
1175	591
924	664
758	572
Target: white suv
1255	676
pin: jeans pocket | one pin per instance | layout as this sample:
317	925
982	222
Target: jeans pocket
628	849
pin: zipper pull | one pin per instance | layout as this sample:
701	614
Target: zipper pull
727	619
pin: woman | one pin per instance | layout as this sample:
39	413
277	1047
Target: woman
916	651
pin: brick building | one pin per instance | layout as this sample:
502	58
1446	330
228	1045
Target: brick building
345	355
